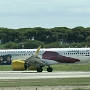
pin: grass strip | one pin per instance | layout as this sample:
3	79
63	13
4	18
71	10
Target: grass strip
45	82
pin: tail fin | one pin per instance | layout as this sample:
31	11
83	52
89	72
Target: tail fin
37	51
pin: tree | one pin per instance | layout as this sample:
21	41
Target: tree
88	38
33	44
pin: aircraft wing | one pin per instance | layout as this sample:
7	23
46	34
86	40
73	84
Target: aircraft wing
35	60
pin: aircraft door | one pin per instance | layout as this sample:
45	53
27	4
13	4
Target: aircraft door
88	55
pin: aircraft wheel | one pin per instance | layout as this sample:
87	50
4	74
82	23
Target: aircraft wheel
49	69
39	69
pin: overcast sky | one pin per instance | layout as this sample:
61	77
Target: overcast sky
44	13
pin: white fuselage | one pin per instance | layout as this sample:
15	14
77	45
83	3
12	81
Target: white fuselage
82	54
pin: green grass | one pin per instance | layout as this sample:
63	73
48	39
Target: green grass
5	68
59	67
72	67
46	82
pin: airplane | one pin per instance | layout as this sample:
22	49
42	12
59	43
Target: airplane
36	59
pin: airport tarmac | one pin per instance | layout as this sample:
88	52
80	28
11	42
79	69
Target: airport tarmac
44	74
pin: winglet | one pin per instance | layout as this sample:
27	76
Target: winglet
37	51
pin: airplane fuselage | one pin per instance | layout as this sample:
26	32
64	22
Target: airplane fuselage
50	56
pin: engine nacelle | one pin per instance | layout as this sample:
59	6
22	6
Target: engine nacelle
18	65
32	68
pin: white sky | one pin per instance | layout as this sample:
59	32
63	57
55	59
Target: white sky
44	13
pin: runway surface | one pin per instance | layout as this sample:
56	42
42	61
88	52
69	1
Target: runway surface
44	74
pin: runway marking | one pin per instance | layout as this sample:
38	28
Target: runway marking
35	75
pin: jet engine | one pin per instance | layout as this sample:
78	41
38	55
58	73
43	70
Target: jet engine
18	65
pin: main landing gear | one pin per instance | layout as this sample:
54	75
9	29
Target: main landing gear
49	69
40	69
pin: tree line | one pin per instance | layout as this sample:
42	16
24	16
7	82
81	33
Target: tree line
57	37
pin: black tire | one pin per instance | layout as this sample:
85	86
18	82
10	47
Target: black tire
49	69
39	69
